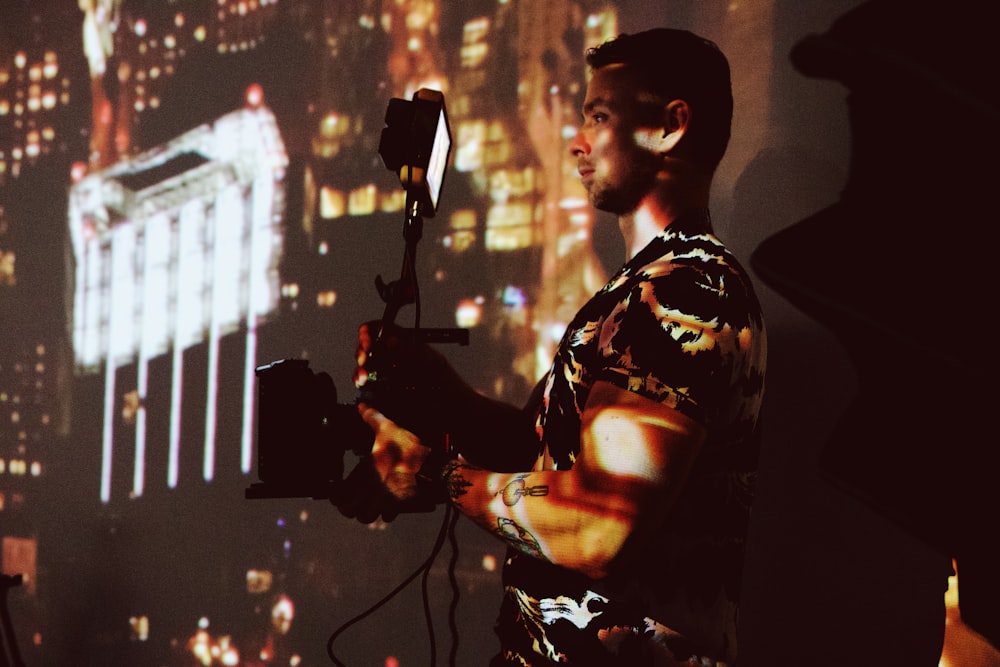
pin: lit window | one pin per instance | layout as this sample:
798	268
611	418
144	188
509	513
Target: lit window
460	241
473	55
392	201
139	626
331	203
326	299
464	219
469	313
362	200
259	581
475	30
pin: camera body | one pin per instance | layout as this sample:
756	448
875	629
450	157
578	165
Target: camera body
303	433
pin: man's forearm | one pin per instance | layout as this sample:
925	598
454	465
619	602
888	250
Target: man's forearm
551	515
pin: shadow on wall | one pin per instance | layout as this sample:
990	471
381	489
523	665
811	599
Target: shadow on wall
857	522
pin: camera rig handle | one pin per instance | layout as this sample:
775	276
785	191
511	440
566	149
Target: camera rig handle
405	289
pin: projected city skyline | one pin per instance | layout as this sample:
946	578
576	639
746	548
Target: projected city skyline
223	206
190	189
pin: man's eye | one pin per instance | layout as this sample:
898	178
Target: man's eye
599	117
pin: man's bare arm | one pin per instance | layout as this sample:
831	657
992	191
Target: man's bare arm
635	456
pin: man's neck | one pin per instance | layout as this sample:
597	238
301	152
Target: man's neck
658	210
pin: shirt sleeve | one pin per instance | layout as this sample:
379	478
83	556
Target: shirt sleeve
675	352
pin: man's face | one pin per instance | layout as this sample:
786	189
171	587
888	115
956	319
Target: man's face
616	146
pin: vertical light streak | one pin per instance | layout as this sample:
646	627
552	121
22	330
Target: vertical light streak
145	266
220	214
249	379
174	452
186	265
107	435
259	216
211	403
120	305
139	473
153	312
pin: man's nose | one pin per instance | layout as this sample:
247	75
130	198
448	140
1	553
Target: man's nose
578	145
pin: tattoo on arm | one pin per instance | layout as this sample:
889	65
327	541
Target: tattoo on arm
455	485
516	535
518	488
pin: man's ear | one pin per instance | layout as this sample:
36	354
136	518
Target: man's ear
676	118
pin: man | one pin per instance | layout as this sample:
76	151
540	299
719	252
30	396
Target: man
626	514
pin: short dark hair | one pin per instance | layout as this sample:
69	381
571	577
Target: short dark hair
678	64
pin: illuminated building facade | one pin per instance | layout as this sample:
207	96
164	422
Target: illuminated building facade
176	247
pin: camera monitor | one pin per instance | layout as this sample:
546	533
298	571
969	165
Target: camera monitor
416	144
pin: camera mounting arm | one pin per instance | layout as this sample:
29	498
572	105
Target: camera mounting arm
405	290
416	144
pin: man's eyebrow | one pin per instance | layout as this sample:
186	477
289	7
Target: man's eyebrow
590	105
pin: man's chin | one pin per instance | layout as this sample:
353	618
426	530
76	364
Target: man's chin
610	204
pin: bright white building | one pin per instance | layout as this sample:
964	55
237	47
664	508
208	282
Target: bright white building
173	248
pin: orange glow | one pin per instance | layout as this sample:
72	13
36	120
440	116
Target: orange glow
254	95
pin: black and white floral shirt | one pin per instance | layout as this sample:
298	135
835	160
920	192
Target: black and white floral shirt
679	323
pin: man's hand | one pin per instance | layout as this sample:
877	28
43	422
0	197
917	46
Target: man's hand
395	351
397	454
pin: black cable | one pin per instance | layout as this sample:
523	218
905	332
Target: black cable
452	610
438	543
425	598
450	514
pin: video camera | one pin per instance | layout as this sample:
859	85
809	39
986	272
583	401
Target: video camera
303	432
